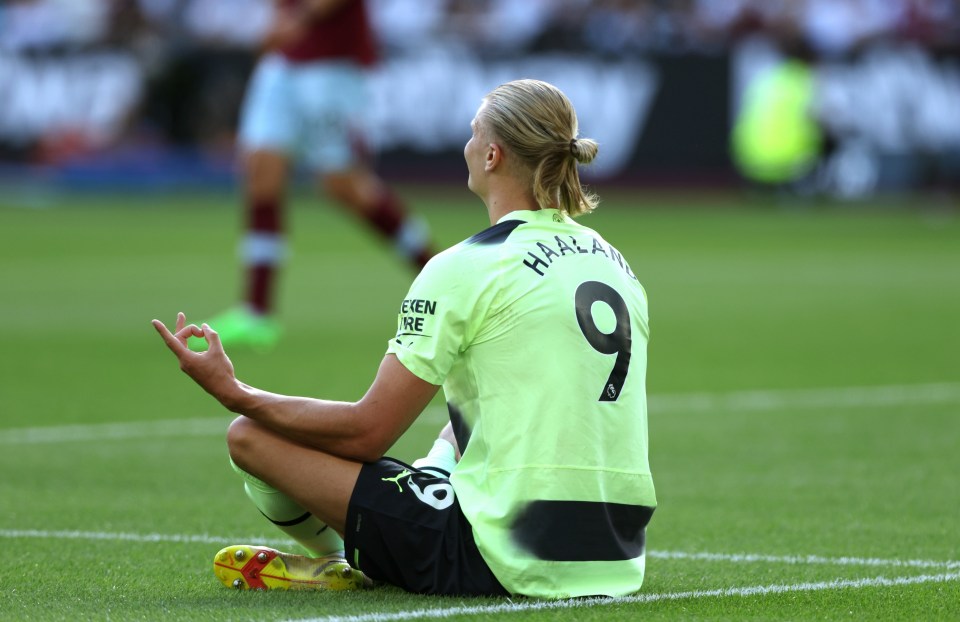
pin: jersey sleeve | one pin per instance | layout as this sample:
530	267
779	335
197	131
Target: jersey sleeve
440	316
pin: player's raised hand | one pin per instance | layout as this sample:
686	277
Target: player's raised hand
177	342
211	369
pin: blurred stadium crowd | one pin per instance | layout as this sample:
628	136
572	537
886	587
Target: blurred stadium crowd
161	27
177	67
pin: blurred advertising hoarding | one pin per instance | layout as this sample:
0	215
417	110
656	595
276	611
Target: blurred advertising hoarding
657	116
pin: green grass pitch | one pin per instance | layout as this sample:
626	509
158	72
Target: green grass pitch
804	404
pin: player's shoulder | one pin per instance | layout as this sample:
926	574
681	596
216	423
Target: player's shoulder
494	235
475	259
520	224
469	251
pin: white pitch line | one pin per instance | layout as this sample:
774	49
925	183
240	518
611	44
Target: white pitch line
737	401
737	558
750	558
134	430
144	538
754	590
206	426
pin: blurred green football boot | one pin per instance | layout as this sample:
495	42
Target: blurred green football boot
241	328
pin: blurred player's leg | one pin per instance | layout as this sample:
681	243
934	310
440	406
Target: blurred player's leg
262	252
333	100
365	195
310	112
264	242
268	130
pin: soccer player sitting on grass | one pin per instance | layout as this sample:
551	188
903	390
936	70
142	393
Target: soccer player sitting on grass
537	329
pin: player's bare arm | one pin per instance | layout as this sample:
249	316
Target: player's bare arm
361	431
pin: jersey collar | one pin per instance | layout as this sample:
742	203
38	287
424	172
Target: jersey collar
540	215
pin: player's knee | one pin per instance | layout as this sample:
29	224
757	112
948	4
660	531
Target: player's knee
357	189
339	187
260	189
266	174
241	440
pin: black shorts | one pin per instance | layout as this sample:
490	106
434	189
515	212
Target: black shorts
405	527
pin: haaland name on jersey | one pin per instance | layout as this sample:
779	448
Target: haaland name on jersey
542	261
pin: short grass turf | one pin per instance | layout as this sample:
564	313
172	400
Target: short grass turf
773	505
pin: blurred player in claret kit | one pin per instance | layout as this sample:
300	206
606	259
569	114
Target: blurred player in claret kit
304	104
536	327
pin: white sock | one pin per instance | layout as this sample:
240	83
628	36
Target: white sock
441	460
309	531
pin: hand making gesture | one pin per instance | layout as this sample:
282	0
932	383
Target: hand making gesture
211	369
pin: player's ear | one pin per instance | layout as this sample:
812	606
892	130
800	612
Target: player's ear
494	156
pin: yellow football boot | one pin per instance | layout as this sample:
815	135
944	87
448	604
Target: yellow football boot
248	567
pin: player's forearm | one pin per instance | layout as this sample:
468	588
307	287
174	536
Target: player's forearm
341	429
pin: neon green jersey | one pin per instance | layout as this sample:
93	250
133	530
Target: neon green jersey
537	329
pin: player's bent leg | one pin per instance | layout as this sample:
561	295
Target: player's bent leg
320	483
302	478
318	538
246	567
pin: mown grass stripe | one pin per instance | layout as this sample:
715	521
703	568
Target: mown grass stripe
838	397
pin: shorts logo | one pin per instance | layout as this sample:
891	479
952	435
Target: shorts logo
396	480
439	495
